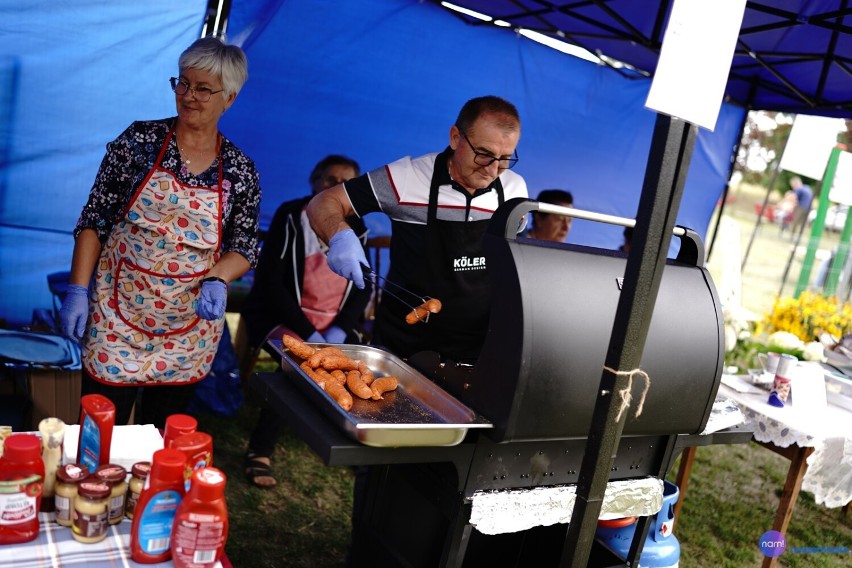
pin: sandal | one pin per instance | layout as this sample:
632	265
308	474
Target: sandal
259	470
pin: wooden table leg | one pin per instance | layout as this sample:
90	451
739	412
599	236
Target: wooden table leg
798	466
684	470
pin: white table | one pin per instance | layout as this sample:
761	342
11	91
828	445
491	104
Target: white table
818	445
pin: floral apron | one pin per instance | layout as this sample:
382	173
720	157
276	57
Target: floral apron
143	328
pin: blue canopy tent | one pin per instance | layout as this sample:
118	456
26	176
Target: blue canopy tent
376	79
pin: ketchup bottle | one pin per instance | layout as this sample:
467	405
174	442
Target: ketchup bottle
201	522
21	485
97	418
154	515
177	424
198	449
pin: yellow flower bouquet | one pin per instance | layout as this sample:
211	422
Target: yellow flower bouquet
793	326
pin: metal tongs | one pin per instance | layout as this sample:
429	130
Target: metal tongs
374	277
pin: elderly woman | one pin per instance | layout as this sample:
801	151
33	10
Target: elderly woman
170	221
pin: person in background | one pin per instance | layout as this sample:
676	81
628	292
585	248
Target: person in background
784	211
804	197
295	292
170	221
548	226
440	205
628	238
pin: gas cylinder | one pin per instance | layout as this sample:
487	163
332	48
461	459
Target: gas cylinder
661	549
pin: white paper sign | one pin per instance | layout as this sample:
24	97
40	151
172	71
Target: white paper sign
695	60
807	389
809	145
841	189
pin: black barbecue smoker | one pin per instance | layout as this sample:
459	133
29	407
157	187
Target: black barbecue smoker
534	388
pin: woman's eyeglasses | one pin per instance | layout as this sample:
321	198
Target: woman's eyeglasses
202	94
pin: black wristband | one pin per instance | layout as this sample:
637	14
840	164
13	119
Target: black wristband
214	279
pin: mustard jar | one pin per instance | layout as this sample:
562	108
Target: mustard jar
91	511
68	477
116	477
138	475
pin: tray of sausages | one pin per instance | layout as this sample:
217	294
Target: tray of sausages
403	407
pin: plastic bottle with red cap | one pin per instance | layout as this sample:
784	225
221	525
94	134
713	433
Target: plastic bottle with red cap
97	419
21	485
201	523
176	425
154	515
198	449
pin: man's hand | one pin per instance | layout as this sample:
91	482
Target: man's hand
212	300
74	312
346	256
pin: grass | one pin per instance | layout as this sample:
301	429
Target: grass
732	496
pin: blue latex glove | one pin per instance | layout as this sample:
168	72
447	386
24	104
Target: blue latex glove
335	334
346	255
316	337
74	311
212	300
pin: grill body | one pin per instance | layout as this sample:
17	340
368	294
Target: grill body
553	308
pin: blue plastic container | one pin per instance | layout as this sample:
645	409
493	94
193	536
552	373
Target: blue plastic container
662	549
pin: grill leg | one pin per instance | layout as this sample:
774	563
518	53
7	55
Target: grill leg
457	538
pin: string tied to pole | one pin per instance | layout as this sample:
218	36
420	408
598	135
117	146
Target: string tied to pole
626	394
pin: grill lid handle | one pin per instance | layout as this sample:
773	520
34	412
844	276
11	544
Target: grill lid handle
507	222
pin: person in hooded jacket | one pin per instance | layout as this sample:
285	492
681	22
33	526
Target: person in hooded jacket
295	292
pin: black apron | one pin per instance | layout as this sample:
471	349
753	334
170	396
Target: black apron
453	271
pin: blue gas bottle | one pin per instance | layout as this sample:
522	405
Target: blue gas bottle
662	549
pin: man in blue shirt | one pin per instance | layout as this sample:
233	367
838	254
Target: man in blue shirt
804	196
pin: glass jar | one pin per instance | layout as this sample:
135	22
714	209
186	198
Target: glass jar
138	474
116	477
65	491
91	511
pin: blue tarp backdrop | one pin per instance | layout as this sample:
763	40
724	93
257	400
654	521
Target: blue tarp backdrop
374	79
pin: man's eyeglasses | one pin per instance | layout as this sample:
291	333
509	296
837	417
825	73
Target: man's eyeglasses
203	94
483	159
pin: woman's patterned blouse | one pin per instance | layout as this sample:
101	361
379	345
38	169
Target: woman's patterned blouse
131	156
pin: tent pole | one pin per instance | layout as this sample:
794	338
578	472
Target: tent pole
216	20
727	189
671	150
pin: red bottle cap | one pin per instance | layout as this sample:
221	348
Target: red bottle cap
21	448
178	424
72	473
208	484
193	441
97	403
111	473
168	465
96	490
140	470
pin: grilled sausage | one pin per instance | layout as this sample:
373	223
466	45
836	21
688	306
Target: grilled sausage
357	386
320	354
341	362
297	348
310	372
340	395
383	385
433	305
420	313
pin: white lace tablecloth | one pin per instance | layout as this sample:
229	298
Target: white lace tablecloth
828	431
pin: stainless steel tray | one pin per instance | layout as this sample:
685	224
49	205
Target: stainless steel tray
417	413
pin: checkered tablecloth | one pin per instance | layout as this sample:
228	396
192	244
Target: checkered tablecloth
55	547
